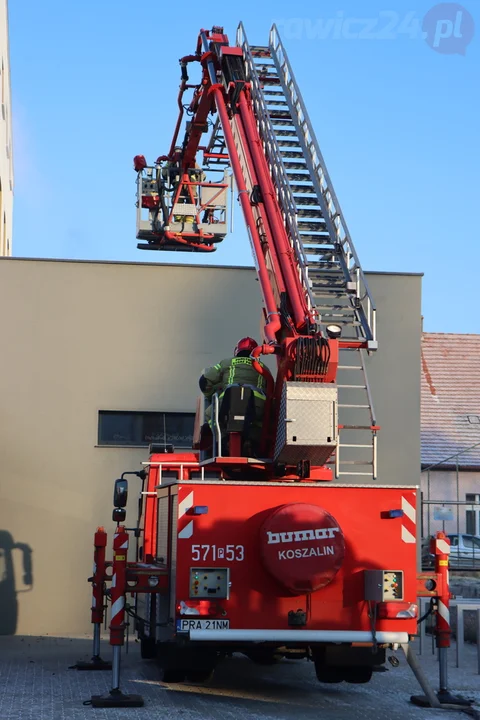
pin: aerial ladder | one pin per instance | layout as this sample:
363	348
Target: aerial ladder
313	286
288	553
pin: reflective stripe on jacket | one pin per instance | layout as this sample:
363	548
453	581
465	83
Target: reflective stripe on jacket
234	371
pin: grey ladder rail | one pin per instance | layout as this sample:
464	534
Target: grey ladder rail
327	261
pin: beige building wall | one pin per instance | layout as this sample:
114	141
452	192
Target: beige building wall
79	337
6	161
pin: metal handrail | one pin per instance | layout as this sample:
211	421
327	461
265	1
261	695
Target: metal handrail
217	439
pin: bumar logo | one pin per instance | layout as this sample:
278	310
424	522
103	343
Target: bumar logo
295	536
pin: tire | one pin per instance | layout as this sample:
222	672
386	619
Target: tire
200	676
329	675
358	675
174	676
148	648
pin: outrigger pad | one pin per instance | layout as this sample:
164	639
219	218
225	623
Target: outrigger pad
116	698
444	698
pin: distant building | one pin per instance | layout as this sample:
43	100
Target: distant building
6	162
451	431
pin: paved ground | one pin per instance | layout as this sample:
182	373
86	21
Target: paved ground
35	684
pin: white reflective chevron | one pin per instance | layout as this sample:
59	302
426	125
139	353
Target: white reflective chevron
117	606
409	510
187	531
443	611
443	546
185	505
407	536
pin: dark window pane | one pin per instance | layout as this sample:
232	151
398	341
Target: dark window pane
470	522
180	430
116	429
142	428
153	428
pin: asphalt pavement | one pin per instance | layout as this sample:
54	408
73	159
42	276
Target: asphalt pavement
36	684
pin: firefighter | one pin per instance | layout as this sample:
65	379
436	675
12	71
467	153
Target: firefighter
238	370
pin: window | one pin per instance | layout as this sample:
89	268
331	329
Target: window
136	429
453	540
473	515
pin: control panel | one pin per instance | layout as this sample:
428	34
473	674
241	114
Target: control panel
383	585
209	583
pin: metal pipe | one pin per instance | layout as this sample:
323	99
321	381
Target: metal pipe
420	675
96	640
117	650
298	636
215	409
443	659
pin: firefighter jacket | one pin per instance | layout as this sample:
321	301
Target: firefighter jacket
234	371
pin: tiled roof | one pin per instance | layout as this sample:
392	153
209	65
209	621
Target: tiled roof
450	397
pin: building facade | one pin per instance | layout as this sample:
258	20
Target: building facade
450	478
101	358
6	160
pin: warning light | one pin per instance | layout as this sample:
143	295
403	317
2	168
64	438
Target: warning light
150	201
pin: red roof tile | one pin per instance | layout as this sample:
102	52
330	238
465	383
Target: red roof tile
450	397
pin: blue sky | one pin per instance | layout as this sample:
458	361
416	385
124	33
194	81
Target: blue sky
95	83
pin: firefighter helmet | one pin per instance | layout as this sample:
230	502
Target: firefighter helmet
246	343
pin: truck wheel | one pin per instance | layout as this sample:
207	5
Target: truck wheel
148	648
358	674
200	676
328	674
173	676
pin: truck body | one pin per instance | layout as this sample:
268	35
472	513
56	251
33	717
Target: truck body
275	569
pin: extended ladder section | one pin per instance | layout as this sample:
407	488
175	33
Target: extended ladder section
327	260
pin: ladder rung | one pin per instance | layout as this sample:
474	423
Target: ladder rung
358	387
355	446
355	462
356	427
369	474
349	367
360	407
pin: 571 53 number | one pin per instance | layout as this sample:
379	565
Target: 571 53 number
230	553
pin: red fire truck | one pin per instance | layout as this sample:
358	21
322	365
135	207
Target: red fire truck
299	551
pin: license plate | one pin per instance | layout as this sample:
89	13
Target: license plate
184	625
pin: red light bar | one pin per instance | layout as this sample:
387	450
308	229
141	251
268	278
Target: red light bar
150	201
196	608
397	610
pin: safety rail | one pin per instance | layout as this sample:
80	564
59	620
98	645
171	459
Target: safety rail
461	604
157	210
277	167
330	207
